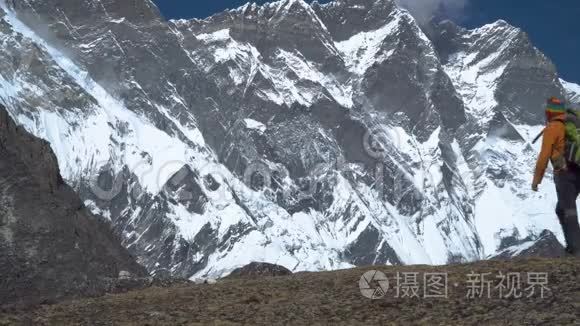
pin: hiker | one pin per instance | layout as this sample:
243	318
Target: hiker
566	172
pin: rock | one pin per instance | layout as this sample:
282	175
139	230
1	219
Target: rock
123	275
205	281
546	245
162	274
257	270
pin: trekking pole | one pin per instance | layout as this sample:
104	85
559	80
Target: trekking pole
538	137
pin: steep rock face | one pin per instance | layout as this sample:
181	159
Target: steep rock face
572	91
51	247
396	65
285	89
313	136
501	54
112	42
546	245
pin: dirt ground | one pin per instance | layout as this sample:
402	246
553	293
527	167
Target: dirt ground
336	298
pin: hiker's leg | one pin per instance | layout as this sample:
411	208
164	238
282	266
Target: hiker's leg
566	207
561	219
573	228
573	225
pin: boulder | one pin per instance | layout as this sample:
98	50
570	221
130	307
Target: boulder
256	270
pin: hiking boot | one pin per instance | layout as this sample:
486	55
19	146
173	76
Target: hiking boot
572	253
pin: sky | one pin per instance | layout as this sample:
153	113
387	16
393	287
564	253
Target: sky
553	26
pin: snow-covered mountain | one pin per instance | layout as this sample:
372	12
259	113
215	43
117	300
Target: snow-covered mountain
572	91
310	136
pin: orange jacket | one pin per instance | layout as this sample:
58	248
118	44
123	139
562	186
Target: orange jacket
553	148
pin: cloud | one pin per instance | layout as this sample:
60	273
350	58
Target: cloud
425	10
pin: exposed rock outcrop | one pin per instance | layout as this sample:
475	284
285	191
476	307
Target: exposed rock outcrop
257	270
546	245
51	247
